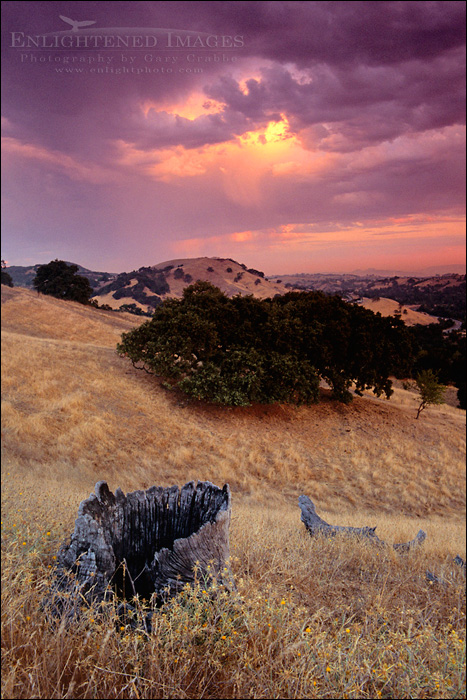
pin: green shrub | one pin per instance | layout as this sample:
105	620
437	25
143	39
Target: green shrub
258	273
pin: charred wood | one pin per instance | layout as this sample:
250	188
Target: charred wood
143	544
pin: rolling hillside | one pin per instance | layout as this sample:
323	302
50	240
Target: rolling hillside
439	295
71	405
310	617
144	289
389	307
149	286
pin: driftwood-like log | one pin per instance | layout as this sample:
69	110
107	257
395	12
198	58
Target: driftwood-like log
432	578
317	526
406	546
147	542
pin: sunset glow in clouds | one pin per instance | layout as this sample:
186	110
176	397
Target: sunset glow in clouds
329	138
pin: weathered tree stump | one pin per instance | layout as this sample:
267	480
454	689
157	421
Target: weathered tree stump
316	526
147	542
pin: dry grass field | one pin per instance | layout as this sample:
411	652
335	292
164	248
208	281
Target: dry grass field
310	618
389	307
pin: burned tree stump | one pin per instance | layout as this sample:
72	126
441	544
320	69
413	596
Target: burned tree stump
316	525
145	543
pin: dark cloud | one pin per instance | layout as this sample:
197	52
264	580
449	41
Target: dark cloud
375	87
159	129
335	33
369	71
369	33
359	104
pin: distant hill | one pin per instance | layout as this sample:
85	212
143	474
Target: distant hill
329	283
442	295
439	296
147	287
142	290
23	276
457	269
389	307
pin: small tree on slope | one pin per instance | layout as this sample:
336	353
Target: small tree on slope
429	388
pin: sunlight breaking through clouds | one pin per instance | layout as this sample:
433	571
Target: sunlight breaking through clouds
304	122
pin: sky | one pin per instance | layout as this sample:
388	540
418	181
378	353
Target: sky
289	136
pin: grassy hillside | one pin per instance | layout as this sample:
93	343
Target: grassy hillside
437	296
389	307
73	412
149	286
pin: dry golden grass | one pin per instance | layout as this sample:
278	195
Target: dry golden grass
310	618
33	314
389	307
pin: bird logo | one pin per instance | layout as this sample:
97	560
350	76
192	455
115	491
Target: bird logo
75	25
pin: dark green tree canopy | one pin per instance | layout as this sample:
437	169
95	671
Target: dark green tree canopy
61	280
240	350
6	279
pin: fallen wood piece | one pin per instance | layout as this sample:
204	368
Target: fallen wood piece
144	543
432	578
316	525
416	542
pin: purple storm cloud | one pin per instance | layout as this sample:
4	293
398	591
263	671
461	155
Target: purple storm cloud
294	136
